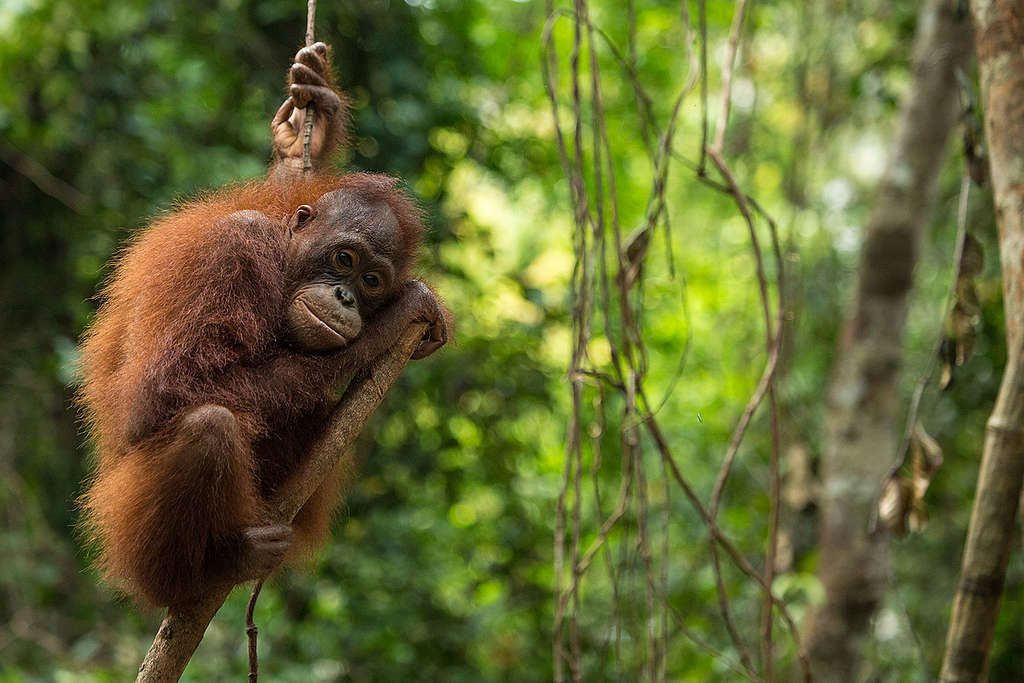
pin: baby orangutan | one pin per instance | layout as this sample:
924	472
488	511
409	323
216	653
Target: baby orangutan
210	367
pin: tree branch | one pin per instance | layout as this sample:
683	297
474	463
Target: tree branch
183	627
65	193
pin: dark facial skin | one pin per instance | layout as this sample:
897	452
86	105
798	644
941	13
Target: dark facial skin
343	250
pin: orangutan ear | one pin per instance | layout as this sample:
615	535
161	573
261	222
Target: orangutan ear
302	215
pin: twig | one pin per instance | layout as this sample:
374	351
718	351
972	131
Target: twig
184	625
307	168
680	626
48	184
775	491
922	382
621	314
253	632
702	10
764	387
741	562
727	67
307	135
581	305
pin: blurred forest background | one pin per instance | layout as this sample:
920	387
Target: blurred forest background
443	566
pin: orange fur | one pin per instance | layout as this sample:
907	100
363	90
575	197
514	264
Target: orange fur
192	316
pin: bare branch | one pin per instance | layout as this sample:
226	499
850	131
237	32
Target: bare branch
48	184
727	67
183	627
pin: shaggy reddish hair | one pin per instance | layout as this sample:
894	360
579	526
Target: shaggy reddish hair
192	315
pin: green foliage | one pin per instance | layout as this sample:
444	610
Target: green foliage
441	566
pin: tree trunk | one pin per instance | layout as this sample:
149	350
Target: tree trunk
864	404
999	31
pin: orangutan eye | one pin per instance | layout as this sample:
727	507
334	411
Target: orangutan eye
371	280
345	259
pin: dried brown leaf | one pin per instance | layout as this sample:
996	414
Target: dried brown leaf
925	460
967	297
636	248
901	506
947	356
894	505
972	260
